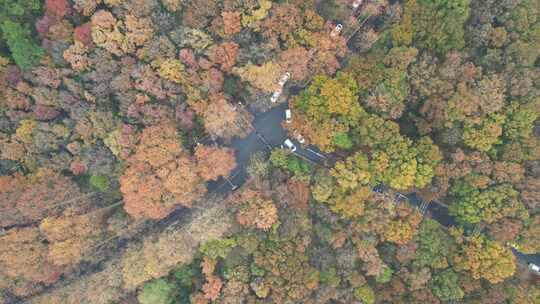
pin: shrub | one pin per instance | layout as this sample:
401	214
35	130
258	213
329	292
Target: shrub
385	276
100	182
24	51
278	158
343	141
365	294
157	292
184	275
445	286
218	248
330	278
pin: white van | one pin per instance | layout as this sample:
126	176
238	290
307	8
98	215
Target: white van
534	268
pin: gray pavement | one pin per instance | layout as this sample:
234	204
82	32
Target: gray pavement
269	134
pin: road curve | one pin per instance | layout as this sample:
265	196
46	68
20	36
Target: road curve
269	134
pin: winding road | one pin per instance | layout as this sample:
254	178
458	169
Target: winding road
269	134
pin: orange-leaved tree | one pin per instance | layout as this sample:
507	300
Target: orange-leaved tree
214	162
160	175
486	259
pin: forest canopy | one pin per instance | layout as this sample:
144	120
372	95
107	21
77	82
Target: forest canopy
265	151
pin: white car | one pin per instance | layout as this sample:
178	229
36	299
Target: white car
336	30
288	116
284	79
513	245
400	197
357	3
534	267
275	96
289	145
300	138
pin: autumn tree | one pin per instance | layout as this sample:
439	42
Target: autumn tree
160	175
83	34
529	239
172	5
519	122
416	279
258	167
402	229
322	186
383	79
327	109
70	236
261	214
224	120
197	14
433	245
256	208
484	135
365	294
488	205
299	194
296	61
328	52
396	160
401	164
352	172
347	186
288	276
445	286
505	230
231	22
76	55
24	257
36	196
224	55
485	259
122	37
290	25
473	103
157	292
263	77
255	11
156	256
433	25
214	162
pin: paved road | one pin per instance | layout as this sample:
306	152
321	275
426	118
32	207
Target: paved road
527	258
269	133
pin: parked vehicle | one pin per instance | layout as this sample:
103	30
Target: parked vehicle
534	268
337	30
300	138
275	96
400	197
357	3
289	145
513	245
288	116
284	79
379	189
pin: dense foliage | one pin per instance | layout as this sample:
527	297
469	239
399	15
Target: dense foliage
141	157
